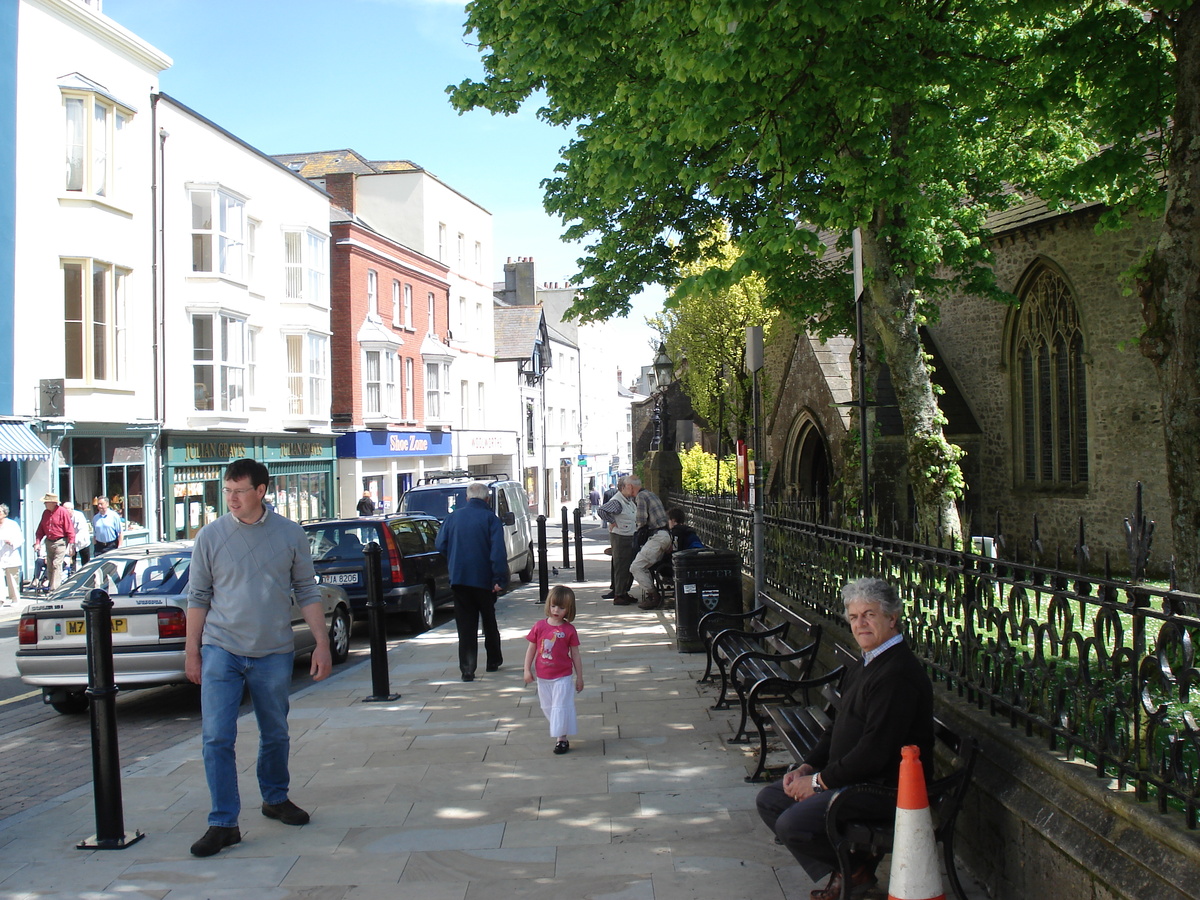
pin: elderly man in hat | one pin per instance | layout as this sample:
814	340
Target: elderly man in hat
57	529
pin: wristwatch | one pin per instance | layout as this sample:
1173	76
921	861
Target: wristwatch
816	784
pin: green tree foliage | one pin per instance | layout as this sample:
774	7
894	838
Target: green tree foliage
705	332
792	124
699	472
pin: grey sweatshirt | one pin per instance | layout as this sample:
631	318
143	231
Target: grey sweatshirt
244	575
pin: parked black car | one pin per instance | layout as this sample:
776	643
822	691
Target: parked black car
415	577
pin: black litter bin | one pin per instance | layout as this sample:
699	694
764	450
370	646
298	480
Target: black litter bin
705	581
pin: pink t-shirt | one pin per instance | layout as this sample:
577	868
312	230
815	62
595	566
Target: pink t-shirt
552	658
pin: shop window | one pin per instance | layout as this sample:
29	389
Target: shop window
109	467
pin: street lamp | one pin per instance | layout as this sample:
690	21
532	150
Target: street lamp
663	372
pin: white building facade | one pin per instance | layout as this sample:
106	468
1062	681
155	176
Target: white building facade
243	301
83	370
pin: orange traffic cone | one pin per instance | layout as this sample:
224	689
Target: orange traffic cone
915	872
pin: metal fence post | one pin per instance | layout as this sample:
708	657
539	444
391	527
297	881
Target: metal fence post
380	688
102	707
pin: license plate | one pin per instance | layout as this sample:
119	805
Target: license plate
344	578
79	626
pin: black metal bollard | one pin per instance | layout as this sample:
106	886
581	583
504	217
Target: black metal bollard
578	544
106	757
380	688
543	567
566	540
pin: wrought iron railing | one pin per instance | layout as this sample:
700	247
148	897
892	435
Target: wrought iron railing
1102	669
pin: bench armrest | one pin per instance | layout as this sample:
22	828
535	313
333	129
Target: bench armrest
708	620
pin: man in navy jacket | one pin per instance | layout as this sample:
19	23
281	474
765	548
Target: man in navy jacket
472	540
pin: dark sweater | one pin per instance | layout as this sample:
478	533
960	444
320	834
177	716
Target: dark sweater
884	707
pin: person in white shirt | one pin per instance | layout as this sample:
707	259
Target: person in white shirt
11	540
83	535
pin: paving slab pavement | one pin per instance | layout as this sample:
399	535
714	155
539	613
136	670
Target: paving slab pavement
451	792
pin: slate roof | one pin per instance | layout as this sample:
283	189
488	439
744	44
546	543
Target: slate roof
334	162
518	329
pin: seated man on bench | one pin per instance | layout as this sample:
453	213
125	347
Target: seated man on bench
887	703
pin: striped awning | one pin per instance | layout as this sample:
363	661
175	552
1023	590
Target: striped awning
18	442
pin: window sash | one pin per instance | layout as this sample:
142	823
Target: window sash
94	321
218	220
93	141
219	362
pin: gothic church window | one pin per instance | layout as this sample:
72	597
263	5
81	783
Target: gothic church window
1050	386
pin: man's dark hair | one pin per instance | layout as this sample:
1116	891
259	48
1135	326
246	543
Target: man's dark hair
248	468
677	514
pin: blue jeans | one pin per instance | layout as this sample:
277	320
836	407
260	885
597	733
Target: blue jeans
223	676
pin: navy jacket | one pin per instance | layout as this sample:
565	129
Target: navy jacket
472	540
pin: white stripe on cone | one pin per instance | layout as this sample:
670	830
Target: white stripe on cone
915	873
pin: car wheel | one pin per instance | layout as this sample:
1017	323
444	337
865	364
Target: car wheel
526	574
71	704
339	636
422	619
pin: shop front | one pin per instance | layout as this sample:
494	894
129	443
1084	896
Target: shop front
113	464
301	466
385	464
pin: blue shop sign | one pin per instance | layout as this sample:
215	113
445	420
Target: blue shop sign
377	444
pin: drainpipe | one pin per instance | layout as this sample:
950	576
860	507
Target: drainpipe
158	165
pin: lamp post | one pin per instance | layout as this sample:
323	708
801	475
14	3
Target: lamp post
663	371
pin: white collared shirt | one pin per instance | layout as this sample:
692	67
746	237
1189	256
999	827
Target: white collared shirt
890	642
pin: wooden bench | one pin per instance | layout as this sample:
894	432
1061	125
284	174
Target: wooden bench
801	727
746	657
848	834
797	711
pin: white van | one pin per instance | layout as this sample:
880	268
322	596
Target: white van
439	493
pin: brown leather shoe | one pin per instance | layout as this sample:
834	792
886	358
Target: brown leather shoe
623	600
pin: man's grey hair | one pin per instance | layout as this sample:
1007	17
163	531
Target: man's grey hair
3	509
872	590
477	490
633	481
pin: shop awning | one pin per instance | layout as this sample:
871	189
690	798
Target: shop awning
17	442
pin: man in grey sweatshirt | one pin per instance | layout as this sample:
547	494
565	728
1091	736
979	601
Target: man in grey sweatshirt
245	568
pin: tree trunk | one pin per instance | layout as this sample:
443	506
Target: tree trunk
932	460
1170	297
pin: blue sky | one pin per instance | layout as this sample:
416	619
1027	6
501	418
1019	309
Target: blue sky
293	76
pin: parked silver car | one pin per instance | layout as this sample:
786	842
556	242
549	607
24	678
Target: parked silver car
148	587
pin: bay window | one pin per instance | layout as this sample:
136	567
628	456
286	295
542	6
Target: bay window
96	129
304	265
306	374
219	362
379	383
218	232
94	311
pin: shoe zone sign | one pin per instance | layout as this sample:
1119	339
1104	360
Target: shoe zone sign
376	444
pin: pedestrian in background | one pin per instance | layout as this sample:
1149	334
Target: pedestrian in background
246	567
472	540
57	531
107	527
11	540
82	548
366	505
552	656
620	514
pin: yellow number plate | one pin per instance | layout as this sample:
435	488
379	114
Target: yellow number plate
79	626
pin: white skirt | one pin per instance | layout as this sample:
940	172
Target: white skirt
557	696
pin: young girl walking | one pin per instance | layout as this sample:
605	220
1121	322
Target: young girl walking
552	655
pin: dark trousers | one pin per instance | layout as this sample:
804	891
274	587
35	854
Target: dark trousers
105	546
470	605
622	556
800	826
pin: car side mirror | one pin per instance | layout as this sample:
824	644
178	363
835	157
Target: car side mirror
509	518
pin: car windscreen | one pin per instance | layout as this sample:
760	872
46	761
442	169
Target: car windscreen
164	575
438	502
